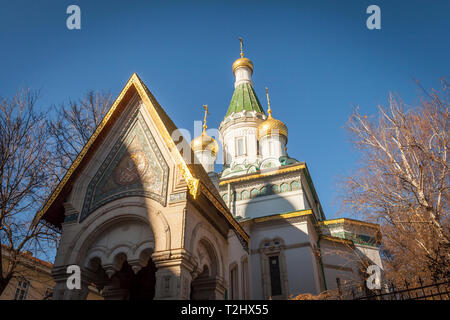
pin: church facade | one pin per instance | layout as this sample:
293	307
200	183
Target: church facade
146	219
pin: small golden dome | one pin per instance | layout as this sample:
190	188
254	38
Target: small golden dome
272	126
205	142
242	62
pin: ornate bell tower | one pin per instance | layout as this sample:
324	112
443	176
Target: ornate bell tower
238	130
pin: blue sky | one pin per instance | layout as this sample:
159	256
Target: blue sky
317	58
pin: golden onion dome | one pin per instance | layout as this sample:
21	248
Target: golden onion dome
270	125
242	62
205	142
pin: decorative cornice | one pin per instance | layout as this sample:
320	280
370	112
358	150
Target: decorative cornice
336	239
284	247
263	174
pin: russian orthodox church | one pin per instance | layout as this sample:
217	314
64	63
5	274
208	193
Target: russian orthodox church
143	221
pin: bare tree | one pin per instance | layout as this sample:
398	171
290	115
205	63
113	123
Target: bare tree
403	183
74	125
24	164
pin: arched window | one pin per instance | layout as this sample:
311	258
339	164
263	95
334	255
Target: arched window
22	289
295	185
275	189
254	193
275	278
263	191
274	271
284	187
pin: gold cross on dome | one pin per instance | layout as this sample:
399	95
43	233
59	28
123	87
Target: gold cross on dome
242	47
269	111
206	114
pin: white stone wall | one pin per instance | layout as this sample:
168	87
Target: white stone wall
273	146
246	129
301	267
236	256
270	204
243	75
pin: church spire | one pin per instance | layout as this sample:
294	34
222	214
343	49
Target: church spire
244	97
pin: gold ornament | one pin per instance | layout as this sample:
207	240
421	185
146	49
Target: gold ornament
271	125
242	62
205	142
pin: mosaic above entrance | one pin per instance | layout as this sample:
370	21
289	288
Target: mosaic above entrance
134	167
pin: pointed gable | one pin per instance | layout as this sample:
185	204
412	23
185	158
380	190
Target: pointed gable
134	166
113	177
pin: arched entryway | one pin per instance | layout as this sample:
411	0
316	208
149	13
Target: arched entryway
206	283
128	285
119	259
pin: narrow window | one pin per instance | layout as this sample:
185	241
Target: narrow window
275	280
245	293
271	148
234	283
22	290
225	150
240	146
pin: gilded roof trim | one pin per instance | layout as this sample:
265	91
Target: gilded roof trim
349	221
225	213
284	216
336	239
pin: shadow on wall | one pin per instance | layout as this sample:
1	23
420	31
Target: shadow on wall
126	283
115	270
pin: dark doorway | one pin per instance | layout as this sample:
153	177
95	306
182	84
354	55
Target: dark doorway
275	280
140	286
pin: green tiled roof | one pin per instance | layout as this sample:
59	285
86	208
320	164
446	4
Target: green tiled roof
244	98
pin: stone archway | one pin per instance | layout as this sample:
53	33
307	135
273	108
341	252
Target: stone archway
207	284
119	261
125	284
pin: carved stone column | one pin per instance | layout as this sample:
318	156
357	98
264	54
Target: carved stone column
62	292
173	275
